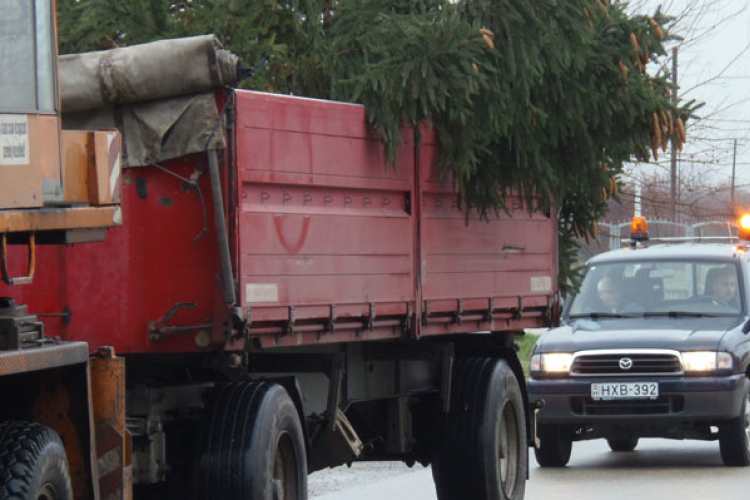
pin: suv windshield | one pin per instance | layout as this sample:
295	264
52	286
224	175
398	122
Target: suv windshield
655	288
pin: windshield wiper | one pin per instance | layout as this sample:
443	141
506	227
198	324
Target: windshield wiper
685	314
596	315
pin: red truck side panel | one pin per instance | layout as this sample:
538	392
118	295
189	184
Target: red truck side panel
329	245
499	263
321	219
114	288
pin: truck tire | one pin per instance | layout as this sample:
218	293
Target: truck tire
33	464
252	446
555	445
484	454
622	444
734	437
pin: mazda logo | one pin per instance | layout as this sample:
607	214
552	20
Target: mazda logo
626	363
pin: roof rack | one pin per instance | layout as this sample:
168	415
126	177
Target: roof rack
686	239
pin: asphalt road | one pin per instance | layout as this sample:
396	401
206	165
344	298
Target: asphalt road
658	470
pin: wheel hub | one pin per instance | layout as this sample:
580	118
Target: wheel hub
508	450
47	492
284	470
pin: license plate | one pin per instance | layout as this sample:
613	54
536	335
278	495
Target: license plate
625	390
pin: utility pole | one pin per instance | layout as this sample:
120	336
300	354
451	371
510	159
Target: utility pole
734	165
673	161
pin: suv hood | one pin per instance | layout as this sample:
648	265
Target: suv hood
638	333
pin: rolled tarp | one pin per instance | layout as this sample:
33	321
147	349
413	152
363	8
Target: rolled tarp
152	71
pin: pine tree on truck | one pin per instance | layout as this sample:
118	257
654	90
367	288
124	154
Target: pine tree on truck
534	97
279	300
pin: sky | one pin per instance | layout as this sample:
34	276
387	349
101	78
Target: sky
713	67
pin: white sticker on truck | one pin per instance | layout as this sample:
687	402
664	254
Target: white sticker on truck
541	284
14	140
261	292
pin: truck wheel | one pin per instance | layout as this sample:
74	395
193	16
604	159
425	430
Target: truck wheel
252	446
32	463
555	445
484	453
622	444
734	437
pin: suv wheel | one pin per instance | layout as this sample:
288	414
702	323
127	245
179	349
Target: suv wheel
734	437
555	445
622	444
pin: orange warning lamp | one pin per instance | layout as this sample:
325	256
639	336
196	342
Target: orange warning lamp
745	226
639	229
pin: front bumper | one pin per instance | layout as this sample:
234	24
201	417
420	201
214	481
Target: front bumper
691	399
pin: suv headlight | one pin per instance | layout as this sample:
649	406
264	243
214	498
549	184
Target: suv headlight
551	362
706	361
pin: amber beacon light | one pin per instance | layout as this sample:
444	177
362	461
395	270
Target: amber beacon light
639	229
745	227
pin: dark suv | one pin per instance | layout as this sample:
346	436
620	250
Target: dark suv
655	344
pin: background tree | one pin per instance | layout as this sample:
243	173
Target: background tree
714	62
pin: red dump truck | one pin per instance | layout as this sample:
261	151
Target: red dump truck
276	300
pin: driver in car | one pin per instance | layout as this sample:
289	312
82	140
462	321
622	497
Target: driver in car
721	286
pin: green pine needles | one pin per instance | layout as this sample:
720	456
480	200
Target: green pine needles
543	98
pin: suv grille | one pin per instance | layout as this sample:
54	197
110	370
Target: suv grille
609	364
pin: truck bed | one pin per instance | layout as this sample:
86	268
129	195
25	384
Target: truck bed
329	244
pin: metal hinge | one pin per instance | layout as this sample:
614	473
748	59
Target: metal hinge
426	313
459	311
490	309
406	322
289	325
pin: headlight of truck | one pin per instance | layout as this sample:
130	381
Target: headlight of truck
551	362
706	361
